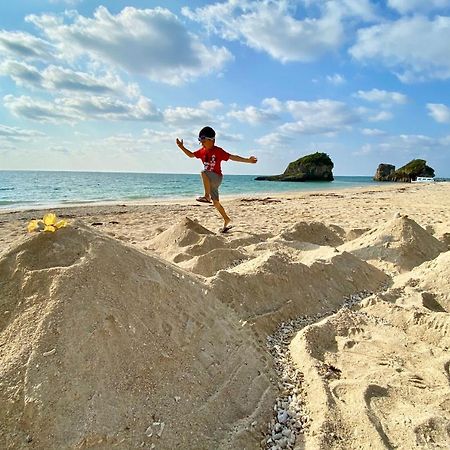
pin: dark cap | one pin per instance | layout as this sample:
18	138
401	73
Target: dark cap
207	132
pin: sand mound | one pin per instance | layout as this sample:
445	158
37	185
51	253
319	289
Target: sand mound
372	369
314	233
427	285
249	239
400	242
210	263
276	286
440	231
355	233
102	346
184	240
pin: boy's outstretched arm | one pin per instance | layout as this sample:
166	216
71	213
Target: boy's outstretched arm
251	159
185	150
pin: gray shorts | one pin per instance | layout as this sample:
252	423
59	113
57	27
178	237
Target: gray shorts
214	180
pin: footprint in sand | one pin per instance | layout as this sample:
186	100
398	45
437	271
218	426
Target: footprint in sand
417	381
371	394
447	370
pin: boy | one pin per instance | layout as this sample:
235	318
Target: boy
211	157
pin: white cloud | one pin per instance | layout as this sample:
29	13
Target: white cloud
323	116
110	108
66	2
381	96
22	73
360	9
275	140
365	150
25	46
271	26
416	48
406	146
372	132
253	115
205	112
75	109
54	78
412	6
413	145
185	115
150	42
381	116
19	134
230	137
272	104
211	104
128	142
439	112
310	117
39	110
336	79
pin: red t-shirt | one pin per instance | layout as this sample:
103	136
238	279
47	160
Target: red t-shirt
212	158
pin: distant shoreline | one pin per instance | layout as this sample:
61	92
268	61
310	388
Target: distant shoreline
376	187
34	190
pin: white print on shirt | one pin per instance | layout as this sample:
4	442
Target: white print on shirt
209	165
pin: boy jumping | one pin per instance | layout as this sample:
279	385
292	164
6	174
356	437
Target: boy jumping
211	157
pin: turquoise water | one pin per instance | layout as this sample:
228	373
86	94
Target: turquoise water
27	189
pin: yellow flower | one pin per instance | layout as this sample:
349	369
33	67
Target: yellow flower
48	223
33	226
61	224
49	219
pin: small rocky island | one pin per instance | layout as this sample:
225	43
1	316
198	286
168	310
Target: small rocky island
314	167
407	173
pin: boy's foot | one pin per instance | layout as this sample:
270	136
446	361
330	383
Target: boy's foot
226	228
203	199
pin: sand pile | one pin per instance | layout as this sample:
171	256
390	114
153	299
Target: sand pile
427	285
315	233
379	373
268	279
184	240
213	261
102	346
370	378
399	245
198	250
276	285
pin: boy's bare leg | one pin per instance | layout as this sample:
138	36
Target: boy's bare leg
222	212
206	185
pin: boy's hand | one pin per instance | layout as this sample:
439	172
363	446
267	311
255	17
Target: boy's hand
180	143
253	159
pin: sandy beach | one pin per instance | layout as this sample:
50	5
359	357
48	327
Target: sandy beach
320	321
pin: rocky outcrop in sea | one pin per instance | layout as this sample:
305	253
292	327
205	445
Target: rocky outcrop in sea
314	167
407	173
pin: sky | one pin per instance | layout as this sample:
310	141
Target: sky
110	85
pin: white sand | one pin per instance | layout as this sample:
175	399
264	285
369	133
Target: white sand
148	329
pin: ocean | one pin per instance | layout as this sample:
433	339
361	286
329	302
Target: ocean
31	189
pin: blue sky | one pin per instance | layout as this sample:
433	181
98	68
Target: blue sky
109	86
